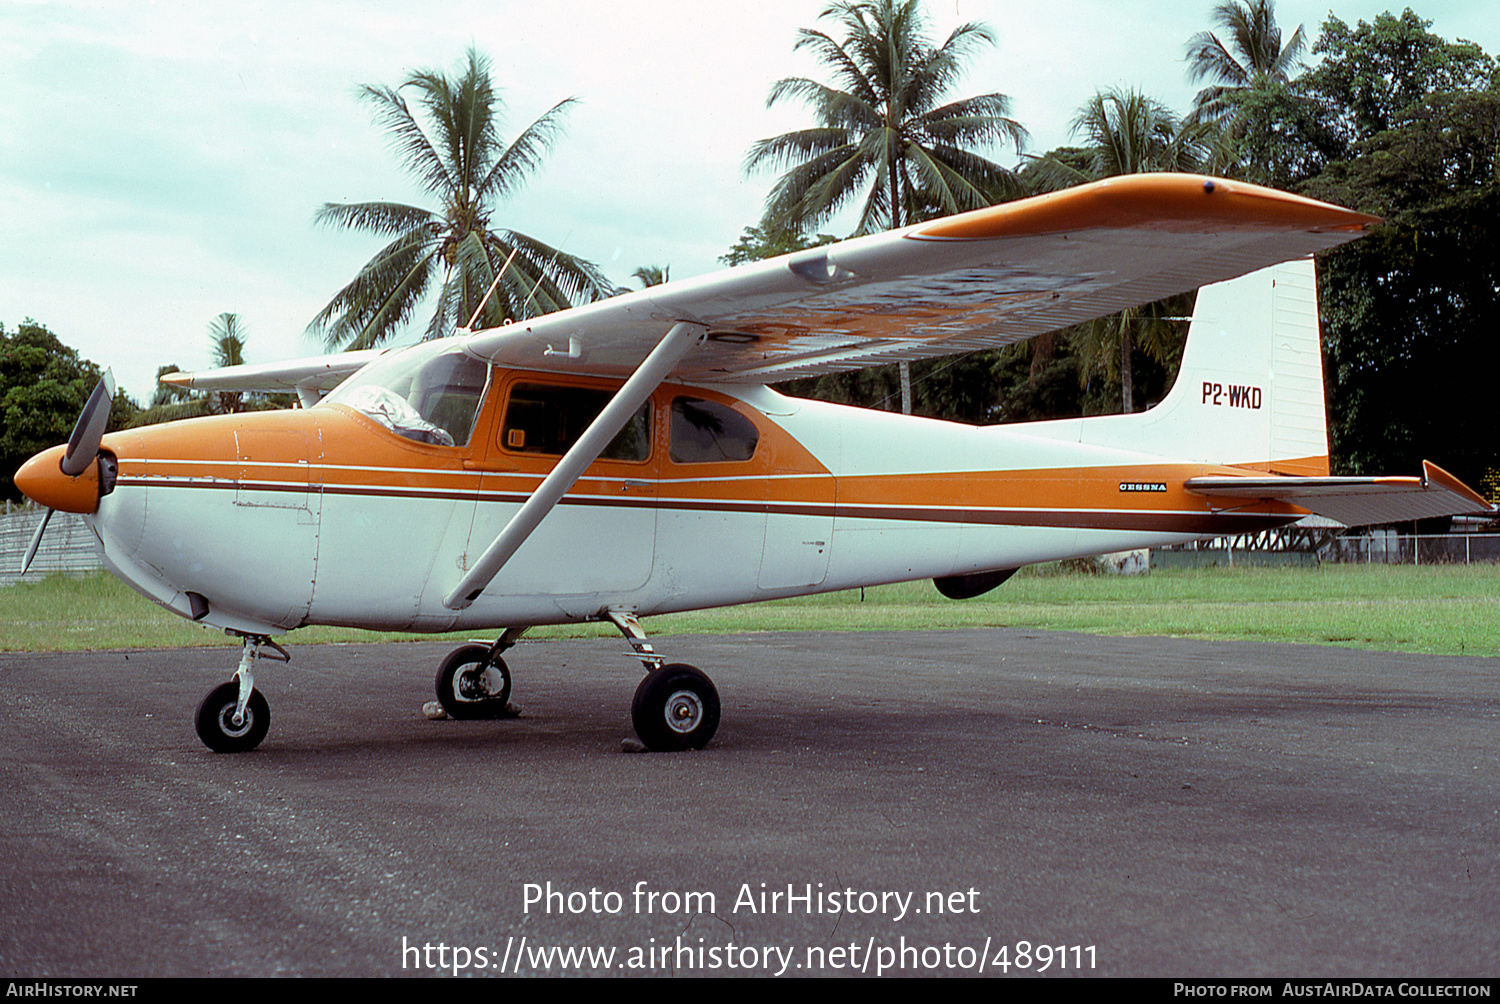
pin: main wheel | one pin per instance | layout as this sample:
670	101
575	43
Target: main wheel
215	720
675	708
470	686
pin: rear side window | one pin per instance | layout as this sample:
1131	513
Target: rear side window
706	432
547	419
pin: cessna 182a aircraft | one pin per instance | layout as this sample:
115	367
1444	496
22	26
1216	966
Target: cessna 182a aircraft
627	457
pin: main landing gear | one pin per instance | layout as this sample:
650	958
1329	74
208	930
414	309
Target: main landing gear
234	717
676	706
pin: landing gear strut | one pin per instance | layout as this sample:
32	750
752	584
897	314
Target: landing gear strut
676	706
234	717
473	682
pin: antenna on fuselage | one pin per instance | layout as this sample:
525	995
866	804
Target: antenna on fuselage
491	291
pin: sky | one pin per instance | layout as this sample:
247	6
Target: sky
161	162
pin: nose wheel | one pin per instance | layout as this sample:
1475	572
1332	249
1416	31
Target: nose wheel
225	730
234	717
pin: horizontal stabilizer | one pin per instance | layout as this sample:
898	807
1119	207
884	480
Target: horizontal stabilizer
1355	501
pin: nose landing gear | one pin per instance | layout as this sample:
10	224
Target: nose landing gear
234	717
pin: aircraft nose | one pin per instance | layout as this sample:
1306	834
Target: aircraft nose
42	480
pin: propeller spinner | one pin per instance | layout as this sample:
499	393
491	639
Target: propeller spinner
67	477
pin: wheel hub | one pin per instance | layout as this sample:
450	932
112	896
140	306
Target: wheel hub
474	685
231	727
684	711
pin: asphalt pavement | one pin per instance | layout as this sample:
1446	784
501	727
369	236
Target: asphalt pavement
994	801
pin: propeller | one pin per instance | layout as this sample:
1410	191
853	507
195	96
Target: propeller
82	450
83	444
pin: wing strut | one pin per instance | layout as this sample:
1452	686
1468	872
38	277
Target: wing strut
668	352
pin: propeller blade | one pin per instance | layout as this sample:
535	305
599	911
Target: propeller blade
83	444
36	540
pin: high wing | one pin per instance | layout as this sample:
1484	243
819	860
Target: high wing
1353	501
978	280
310	377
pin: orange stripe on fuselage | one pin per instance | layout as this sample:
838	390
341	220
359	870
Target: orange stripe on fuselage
342	452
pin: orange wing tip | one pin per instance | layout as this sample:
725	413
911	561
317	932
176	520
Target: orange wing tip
1173	202
1432	474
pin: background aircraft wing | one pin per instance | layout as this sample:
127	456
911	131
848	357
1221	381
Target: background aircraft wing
1354	501
317	373
977	280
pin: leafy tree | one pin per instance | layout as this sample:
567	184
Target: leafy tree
1409	312
44	385
756	244
1374	72
885	133
461	160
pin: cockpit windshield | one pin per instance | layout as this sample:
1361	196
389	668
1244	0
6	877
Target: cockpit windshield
429	393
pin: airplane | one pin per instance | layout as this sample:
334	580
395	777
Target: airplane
627	458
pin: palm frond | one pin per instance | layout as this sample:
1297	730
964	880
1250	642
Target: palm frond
846	71
523	156
790	148
833	108
408	139
384	218
382	296
810	193
980	120
226	333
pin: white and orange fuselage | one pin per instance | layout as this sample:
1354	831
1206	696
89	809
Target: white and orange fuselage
323	516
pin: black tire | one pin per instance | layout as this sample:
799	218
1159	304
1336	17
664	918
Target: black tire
215	720
466	684
675	708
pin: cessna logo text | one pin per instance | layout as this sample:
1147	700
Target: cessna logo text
1143	486
1234	395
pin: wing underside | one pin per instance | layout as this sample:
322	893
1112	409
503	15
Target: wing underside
978	280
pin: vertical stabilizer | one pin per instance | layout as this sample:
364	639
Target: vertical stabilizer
1250	390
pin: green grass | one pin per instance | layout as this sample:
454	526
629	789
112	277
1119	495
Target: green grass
1453	610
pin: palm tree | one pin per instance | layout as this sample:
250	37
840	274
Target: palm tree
651	275
1250	56
227	335
883	134
462	161
1124	132
1251	100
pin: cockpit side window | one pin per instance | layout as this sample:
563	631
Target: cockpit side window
426	394
706	432
549	418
